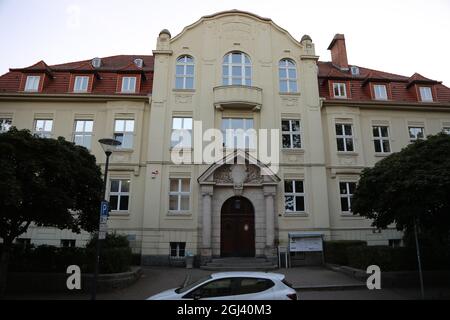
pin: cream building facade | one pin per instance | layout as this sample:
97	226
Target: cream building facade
233	70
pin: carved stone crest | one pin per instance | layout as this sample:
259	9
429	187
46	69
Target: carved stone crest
238	175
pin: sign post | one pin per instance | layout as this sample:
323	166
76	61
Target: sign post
102	230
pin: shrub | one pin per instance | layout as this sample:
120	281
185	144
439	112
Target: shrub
336	251
397	259
116	254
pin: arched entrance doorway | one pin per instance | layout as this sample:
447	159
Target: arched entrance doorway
237	235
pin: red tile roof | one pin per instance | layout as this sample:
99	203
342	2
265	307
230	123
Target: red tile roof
108	74
105	83
400	89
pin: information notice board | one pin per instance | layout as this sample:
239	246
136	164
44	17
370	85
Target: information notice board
305	244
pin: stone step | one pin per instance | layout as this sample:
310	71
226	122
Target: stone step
240	268
244	263
239	260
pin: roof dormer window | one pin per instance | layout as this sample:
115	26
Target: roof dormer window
340	90
425	94
32	84
81	84
380	92
128	84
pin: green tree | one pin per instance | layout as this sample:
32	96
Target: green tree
45	182
408	187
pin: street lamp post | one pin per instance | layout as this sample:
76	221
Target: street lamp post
108	145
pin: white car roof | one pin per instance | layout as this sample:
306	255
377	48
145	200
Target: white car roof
239	274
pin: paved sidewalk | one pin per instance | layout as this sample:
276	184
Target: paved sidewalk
157	279
315	283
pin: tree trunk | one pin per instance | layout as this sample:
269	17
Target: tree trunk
4	268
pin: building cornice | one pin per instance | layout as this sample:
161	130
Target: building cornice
388	105
70	97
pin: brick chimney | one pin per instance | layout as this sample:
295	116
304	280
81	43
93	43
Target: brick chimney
339	52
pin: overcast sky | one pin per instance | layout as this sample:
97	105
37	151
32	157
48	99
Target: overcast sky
398	36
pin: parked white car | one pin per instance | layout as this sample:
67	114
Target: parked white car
233	286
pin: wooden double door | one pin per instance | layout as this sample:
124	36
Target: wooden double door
237	234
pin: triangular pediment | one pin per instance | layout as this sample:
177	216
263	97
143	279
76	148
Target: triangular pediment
239	167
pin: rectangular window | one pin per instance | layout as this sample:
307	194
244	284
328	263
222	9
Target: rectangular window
346	191
124	132
380	92
83	133
81	84
291	134
344	137
235	135
395	243
129	84
68	243
425	94
416	133
119	194
294	196
446	130
381	139
43	128
339	90
181	136
5	124
179	194
177	249
32	84
23	242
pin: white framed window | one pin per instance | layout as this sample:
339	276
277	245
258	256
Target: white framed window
287	72
446	130
236	69
177	249
181	136
119	194
81	84
43	128
5	124
340	90
294	196
124	132
344	137
83	133
380	92
346	190
68	243
235	134
184	74
381	139
291	134
179	194
129	84
426	94
416	133
32	83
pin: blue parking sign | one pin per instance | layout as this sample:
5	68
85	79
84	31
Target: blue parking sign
104	209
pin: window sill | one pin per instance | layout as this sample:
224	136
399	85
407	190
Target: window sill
347	153
118	214
289	93
382	155
295	215
184	90
340	98
178	215
350	216
124	150
293	150
181	149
